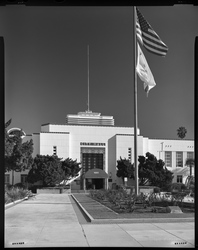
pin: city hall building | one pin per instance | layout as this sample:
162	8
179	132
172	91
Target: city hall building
95	142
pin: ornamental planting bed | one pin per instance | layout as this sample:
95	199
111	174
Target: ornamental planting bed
102	208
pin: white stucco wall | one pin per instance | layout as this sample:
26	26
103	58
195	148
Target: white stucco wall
60	140
36	141
159	146
91	134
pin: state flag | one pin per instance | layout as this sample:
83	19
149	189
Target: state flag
144	71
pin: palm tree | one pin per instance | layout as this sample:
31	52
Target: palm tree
181	132
190	162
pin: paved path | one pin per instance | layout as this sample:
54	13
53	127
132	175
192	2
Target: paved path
49	220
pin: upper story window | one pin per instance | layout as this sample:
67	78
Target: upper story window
168	158
54	150
190	155
129	154
179	159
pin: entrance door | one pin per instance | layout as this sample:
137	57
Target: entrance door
99	183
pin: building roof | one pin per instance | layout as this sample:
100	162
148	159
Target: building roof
171	139
85	125
95	173
89	118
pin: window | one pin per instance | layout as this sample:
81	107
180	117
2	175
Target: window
190	155
54	150
7	179
179	159
168	158
129	154
92	160
24	178
179	178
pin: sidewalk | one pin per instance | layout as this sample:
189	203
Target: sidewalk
46	220
49	220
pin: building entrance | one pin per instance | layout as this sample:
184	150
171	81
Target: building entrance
98	183
92	158
95	183
95	179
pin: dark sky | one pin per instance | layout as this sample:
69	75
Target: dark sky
46	66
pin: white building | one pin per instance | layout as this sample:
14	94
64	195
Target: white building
97	143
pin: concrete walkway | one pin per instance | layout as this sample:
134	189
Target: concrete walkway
49	220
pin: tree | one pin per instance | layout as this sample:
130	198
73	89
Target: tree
51	170
181	132
47	169
18	155
9	144
190	162
71	168
153	171
124	169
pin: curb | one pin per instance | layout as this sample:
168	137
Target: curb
87	215
143	220
15	203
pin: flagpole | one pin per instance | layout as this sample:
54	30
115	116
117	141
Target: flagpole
88	74
135	105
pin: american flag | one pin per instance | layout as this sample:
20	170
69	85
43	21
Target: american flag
148	37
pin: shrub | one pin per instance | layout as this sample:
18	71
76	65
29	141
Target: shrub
156	190
178	198
153	198
161	210
7	199
16	193
119	197
8	186
20	185
178	186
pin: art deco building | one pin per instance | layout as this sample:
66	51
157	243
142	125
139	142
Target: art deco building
95	142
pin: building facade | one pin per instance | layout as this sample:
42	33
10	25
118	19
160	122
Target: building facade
97	144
